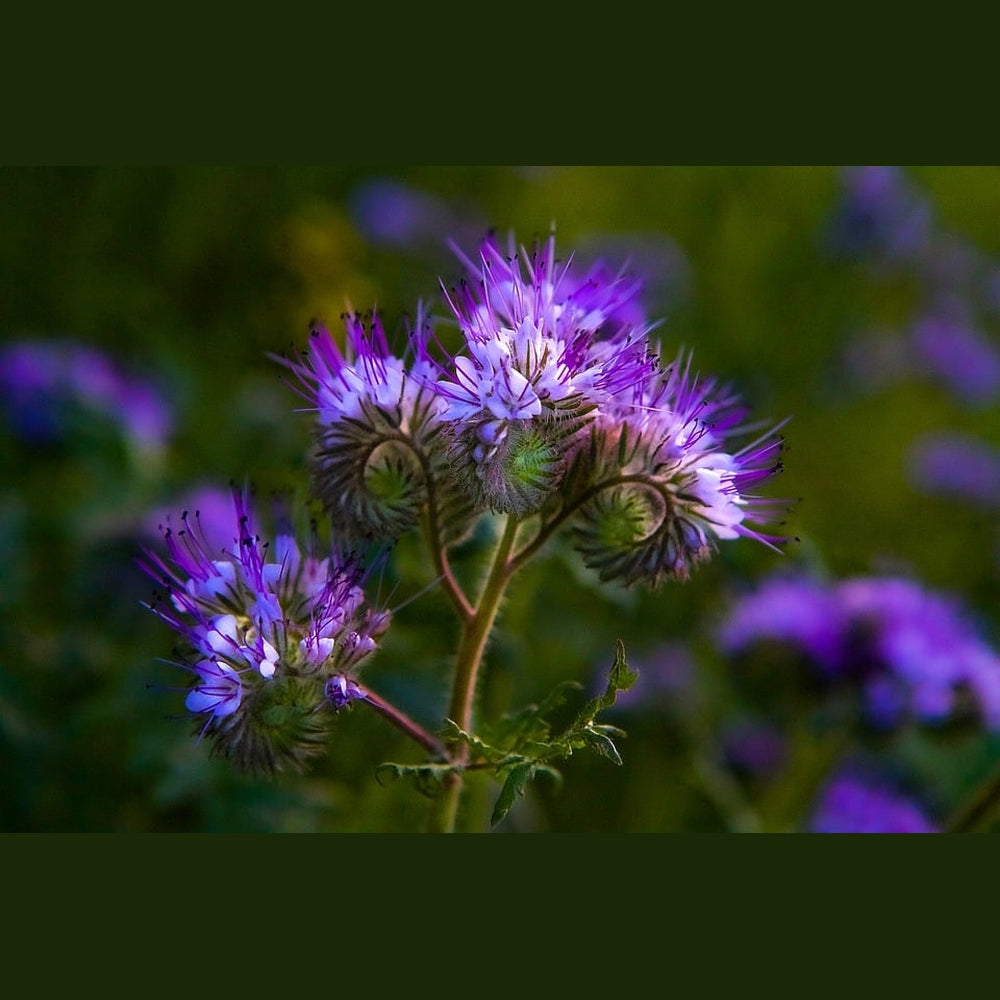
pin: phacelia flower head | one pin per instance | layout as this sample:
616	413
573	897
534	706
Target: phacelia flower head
554	404
671	485
262	630
543	347
913	654
375	428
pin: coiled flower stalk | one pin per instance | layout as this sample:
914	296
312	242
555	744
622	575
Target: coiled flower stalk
379	456
656	487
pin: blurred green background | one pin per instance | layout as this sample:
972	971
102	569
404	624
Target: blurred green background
189	276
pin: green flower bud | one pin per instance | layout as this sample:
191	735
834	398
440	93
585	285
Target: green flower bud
280	725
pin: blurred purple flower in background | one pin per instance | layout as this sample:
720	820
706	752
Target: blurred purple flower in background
925	656
856	802
882	219
960	356
44	383
754	749
394	213
914	653
668	677
880	216
797	611
956	465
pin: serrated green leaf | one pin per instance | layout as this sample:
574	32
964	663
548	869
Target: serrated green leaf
426	778
557	697
609	731
451	733
604	746
530	724
620	678
517	780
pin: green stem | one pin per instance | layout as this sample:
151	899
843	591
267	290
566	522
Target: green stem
548	528
471	646
432	534
445	574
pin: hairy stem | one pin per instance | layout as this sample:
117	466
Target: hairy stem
432	530
440	556
471	646
548	528
403	722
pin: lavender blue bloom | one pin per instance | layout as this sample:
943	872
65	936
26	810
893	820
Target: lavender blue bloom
800	612
217	692
539	337
343	385
250	613
956	465
681	426
915	653
554	363
854	802
881	217
40	380
960	356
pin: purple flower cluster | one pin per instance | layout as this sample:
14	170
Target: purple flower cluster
683	424
250	615
856	802
914	653
539	337
880	216
882	219
44	382
553	363
949	344
342	385
956	465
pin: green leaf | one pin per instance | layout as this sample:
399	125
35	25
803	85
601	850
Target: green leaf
530	725
620	678
522	746
599	742
426	778
451	733
517	780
